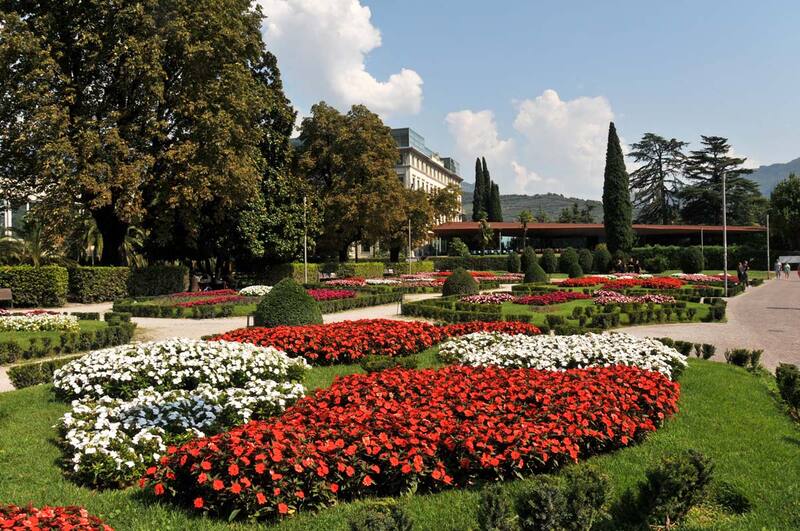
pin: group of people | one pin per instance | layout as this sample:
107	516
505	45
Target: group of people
633	266
782	269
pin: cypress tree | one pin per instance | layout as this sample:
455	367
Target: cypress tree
496	208
478	193
486	186
616	197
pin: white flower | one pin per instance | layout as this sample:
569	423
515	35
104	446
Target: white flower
36	322
255	291
561	352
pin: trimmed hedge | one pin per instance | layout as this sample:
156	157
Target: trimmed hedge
472	263
360	269
98	284
363	300
277	272
140	308
692	260
158	280
712	255
36	373
459	283
287	304
117	333
36	286
410	268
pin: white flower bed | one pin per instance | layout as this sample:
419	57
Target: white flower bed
111	442
255	291
136	400
383	281
119	372
38	322
562	352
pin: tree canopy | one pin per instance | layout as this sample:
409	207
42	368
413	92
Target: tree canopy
656	182
617	209
785	212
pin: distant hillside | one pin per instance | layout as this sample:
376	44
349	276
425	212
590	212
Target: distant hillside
768	177
550	204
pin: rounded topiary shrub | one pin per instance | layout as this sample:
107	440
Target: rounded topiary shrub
535	273
287	304
574	270
601	259
528	257
457	248
692	260
567	258
656	264
549	261
459	283
514	263
585	260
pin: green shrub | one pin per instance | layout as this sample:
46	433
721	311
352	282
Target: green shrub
473	263
692	260
585	260
568	257
457	248
788	378
514	263
287	303
410	268
375	363
602	258
494	510
574	270
36	373
528	257
36	286
460	282
549	261
361	269
672	488
158	280
380	516
742	357
586	493
730	498
98	284
295	270
656	264
541	505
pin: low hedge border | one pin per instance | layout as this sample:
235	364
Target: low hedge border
158	279
138	307
31	286
118	332
470	263
360	301
36	373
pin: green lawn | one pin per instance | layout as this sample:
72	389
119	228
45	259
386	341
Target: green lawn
24	338
725	412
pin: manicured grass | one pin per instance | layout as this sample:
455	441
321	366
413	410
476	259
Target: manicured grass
24	338
725	412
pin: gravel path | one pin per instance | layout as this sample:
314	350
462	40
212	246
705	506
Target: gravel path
766	317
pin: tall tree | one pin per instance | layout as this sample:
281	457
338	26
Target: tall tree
495	208
487	187
420	217
350	159
446	203
141	112
656	183
702	197
616	197
478	202
785	212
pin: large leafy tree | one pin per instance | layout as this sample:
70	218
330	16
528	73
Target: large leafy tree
617	207
144	112
446	203
702	196
785	212
350	159
420	217
479	193
656	182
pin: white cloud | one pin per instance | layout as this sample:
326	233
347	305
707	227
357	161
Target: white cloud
321	46
559	145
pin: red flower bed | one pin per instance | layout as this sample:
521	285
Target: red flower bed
622	283
382	433
582	282
555	297
208	301
350	341
210	293
346	282
324	294
650	283
47	518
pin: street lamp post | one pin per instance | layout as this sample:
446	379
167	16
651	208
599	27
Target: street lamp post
409	240
305	242
724	234
768	262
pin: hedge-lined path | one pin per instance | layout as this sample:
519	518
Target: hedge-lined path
766	317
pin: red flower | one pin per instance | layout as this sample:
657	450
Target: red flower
71	518
158	489
217	485
236	488
233	470
198	503
261	499
283	508
325	294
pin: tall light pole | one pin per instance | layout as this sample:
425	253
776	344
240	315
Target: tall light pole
408	257
305	242
724	234
769	264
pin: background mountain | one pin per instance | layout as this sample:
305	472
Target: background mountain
513	204
769	176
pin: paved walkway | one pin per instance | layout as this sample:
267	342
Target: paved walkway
766	317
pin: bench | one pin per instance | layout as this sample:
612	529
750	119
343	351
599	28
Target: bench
7	295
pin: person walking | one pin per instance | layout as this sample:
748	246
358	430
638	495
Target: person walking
787	269
778	267
746	273
740	272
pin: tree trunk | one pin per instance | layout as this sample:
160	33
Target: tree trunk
113	231
343	254
394	254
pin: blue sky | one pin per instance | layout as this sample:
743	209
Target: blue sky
532	85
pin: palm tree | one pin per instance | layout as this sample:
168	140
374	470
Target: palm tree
29	245
133	242
92	241
524	218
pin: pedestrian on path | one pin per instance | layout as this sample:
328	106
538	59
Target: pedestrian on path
778	267
787	269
